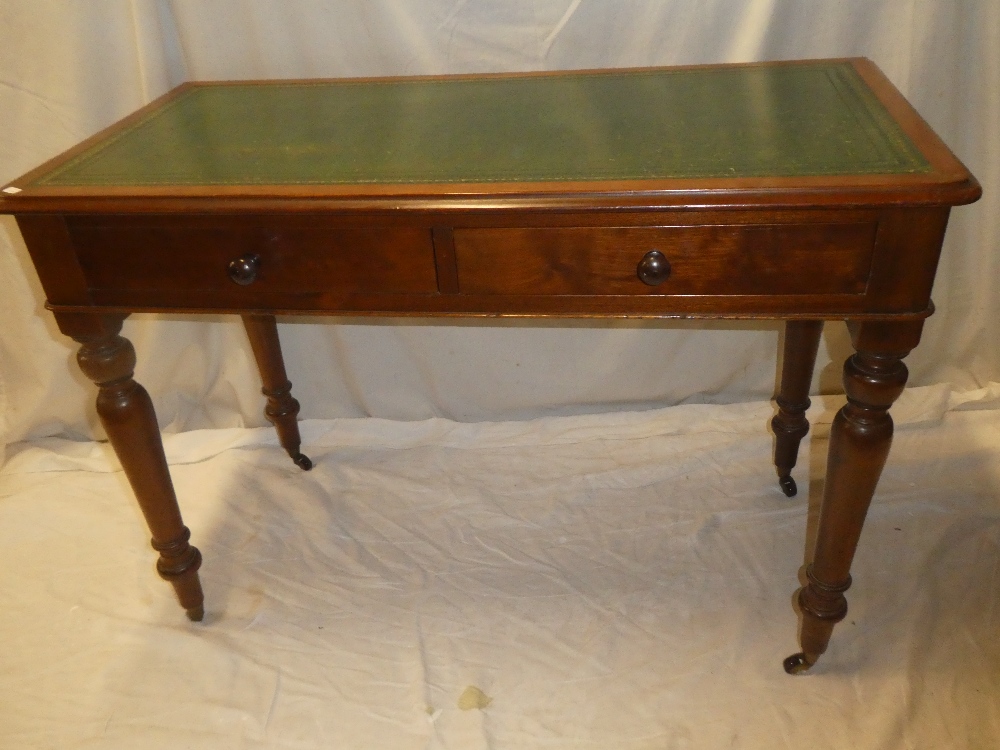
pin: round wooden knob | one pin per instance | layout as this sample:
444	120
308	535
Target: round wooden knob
654	268
244	269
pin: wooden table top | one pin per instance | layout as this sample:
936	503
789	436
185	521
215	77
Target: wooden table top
806	125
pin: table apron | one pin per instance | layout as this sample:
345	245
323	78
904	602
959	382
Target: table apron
820	263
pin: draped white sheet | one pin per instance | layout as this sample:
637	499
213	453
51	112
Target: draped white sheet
613	580
69	68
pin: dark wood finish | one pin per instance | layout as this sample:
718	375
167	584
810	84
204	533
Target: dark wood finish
126	412
55	259
295	256
907	249
444	259
874	378
790	424
740	263
707	260
282	409
857	247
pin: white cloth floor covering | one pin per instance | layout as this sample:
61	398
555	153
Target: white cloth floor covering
613	581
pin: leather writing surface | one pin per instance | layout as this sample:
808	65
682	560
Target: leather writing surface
772	120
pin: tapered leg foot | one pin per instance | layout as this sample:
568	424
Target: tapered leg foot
788	486
798	663
790	424
282	409
179	564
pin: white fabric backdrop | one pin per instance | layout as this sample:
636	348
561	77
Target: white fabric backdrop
612	581
70	67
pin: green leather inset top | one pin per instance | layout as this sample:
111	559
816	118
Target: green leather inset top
781	120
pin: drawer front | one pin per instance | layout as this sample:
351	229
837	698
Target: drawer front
302	256
703	260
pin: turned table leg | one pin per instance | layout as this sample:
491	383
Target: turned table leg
126	412
874	378
281	409
790	424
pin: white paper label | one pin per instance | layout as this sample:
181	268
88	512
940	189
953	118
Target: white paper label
12	190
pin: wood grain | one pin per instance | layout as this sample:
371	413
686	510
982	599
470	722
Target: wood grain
718	260
790	424
126	412
860	247
874	377
282	410
297	256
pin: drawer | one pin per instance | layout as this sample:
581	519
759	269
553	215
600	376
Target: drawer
294	256
832	258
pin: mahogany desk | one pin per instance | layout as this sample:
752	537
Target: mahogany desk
804	191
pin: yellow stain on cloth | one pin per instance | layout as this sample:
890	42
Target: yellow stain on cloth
472	697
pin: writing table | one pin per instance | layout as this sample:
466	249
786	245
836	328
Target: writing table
803	191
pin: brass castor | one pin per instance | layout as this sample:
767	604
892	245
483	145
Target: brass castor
788	486
302	461
798	663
